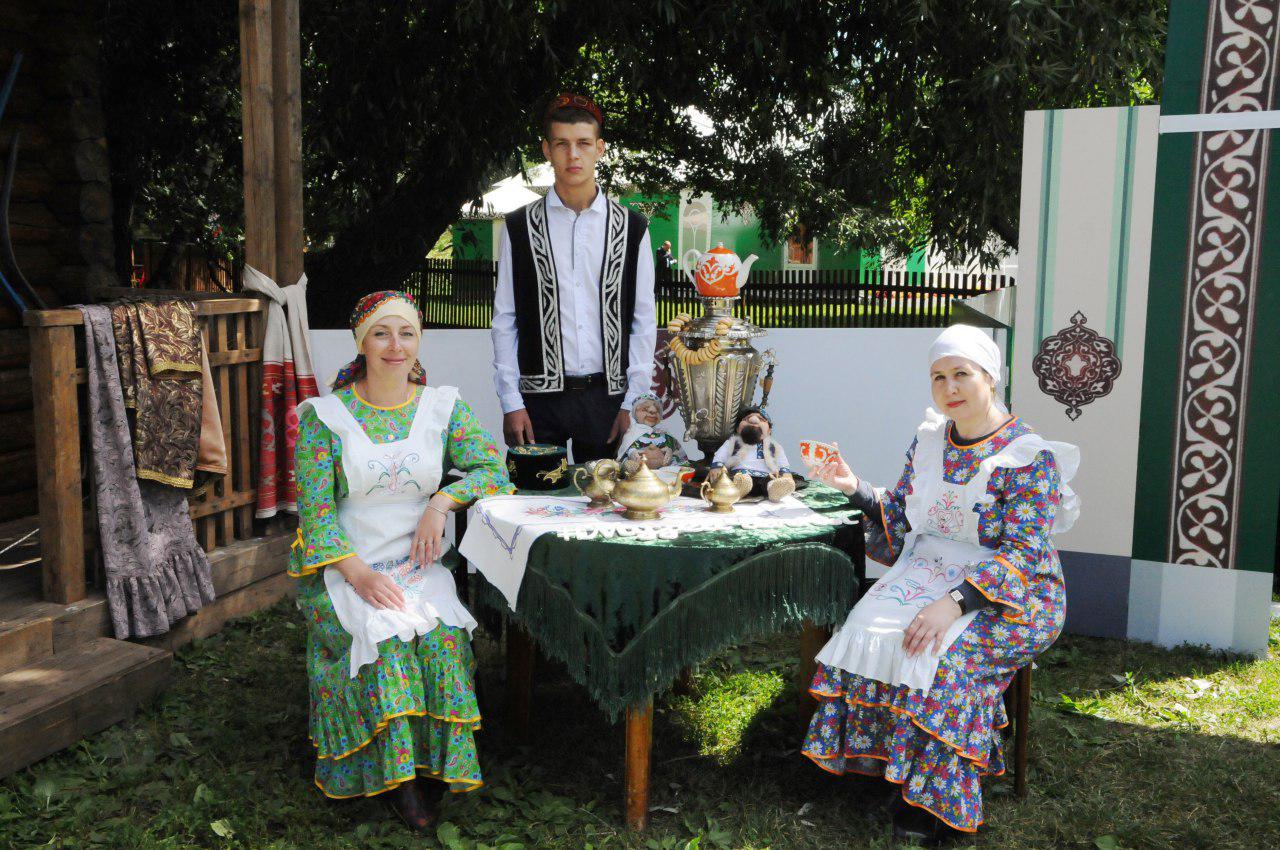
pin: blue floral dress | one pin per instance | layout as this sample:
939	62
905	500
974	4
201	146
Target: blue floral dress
938	742
413	710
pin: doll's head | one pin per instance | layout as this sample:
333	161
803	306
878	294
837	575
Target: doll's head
646	410
754	424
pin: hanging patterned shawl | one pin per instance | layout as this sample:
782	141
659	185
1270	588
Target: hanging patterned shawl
156	572
287	379
159	354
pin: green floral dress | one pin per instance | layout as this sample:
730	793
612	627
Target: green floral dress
413	711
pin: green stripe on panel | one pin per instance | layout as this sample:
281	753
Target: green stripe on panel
1049	195
1260	459
1117	277
1184	57
1165	295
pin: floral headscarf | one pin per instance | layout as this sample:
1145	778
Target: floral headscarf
368	310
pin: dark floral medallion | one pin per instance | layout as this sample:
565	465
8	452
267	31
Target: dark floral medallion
1076	366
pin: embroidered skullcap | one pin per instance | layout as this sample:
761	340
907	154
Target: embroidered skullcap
568	100
647	397
368	311
972	344
750	409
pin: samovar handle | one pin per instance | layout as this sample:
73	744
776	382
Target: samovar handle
766	384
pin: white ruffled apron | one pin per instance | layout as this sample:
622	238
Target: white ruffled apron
388	486
937	555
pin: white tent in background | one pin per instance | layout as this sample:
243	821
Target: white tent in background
505	197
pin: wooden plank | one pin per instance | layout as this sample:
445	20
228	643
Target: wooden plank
25	639
19	431
82	621
235	358
50	705
286	66
244	562
53	363
258	132
51	318
17	472
212	617
239	445
639	749
222	503
222	375
219	306
15	348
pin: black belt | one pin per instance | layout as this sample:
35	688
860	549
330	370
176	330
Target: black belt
582	382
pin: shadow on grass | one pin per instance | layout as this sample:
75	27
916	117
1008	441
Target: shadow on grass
223	760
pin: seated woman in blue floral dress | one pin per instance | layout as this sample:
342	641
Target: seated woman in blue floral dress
388	651
909	688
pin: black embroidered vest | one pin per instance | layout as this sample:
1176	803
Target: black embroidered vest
540	350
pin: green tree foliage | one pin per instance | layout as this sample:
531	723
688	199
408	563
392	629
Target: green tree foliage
171	75
871	123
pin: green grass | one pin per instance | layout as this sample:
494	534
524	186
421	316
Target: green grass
1132	747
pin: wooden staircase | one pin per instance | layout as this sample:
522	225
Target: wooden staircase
59	679
61	674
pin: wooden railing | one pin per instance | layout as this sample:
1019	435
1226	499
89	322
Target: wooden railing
232	328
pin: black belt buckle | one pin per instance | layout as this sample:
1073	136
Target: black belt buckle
582	382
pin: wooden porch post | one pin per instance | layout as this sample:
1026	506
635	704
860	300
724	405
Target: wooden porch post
286	57
257	108
271	91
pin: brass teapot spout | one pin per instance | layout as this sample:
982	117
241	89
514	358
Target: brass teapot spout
724	492
644	493
601	476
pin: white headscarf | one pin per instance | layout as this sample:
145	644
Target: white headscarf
975	346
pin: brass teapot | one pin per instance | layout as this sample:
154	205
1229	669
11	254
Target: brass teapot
724	492
643	493
601	477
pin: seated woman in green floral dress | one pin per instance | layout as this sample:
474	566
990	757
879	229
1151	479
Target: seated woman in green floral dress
388	650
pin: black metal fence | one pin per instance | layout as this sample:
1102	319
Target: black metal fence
459	294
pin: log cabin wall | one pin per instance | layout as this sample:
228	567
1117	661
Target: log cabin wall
61	206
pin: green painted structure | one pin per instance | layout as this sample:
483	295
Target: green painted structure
477	238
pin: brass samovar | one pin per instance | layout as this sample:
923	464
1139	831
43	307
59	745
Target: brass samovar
713	363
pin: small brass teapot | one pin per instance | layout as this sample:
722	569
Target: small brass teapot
725	491
601	477
643	493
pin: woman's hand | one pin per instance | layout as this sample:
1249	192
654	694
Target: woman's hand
930	626
378	590
834	472
428	537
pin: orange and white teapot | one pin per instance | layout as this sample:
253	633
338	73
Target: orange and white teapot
718	273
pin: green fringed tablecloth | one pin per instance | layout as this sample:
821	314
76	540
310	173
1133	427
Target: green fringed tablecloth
626	616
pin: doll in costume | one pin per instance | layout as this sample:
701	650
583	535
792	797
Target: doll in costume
752	450
646	440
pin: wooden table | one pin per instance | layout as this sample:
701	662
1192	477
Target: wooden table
831	559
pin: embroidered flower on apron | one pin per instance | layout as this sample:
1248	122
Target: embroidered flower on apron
388	485
937	554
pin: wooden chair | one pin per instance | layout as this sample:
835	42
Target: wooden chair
1017	704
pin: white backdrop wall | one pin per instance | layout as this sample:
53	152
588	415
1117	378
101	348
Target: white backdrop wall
866	388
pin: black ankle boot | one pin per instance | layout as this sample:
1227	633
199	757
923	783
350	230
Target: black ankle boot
432	791
408	804
916	826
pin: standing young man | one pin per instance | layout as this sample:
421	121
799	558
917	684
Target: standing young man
574	322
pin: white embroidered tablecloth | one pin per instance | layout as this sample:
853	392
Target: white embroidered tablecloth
501	529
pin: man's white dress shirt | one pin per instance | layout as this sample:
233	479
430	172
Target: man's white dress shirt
577	244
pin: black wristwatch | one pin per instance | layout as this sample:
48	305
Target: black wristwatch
958	596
